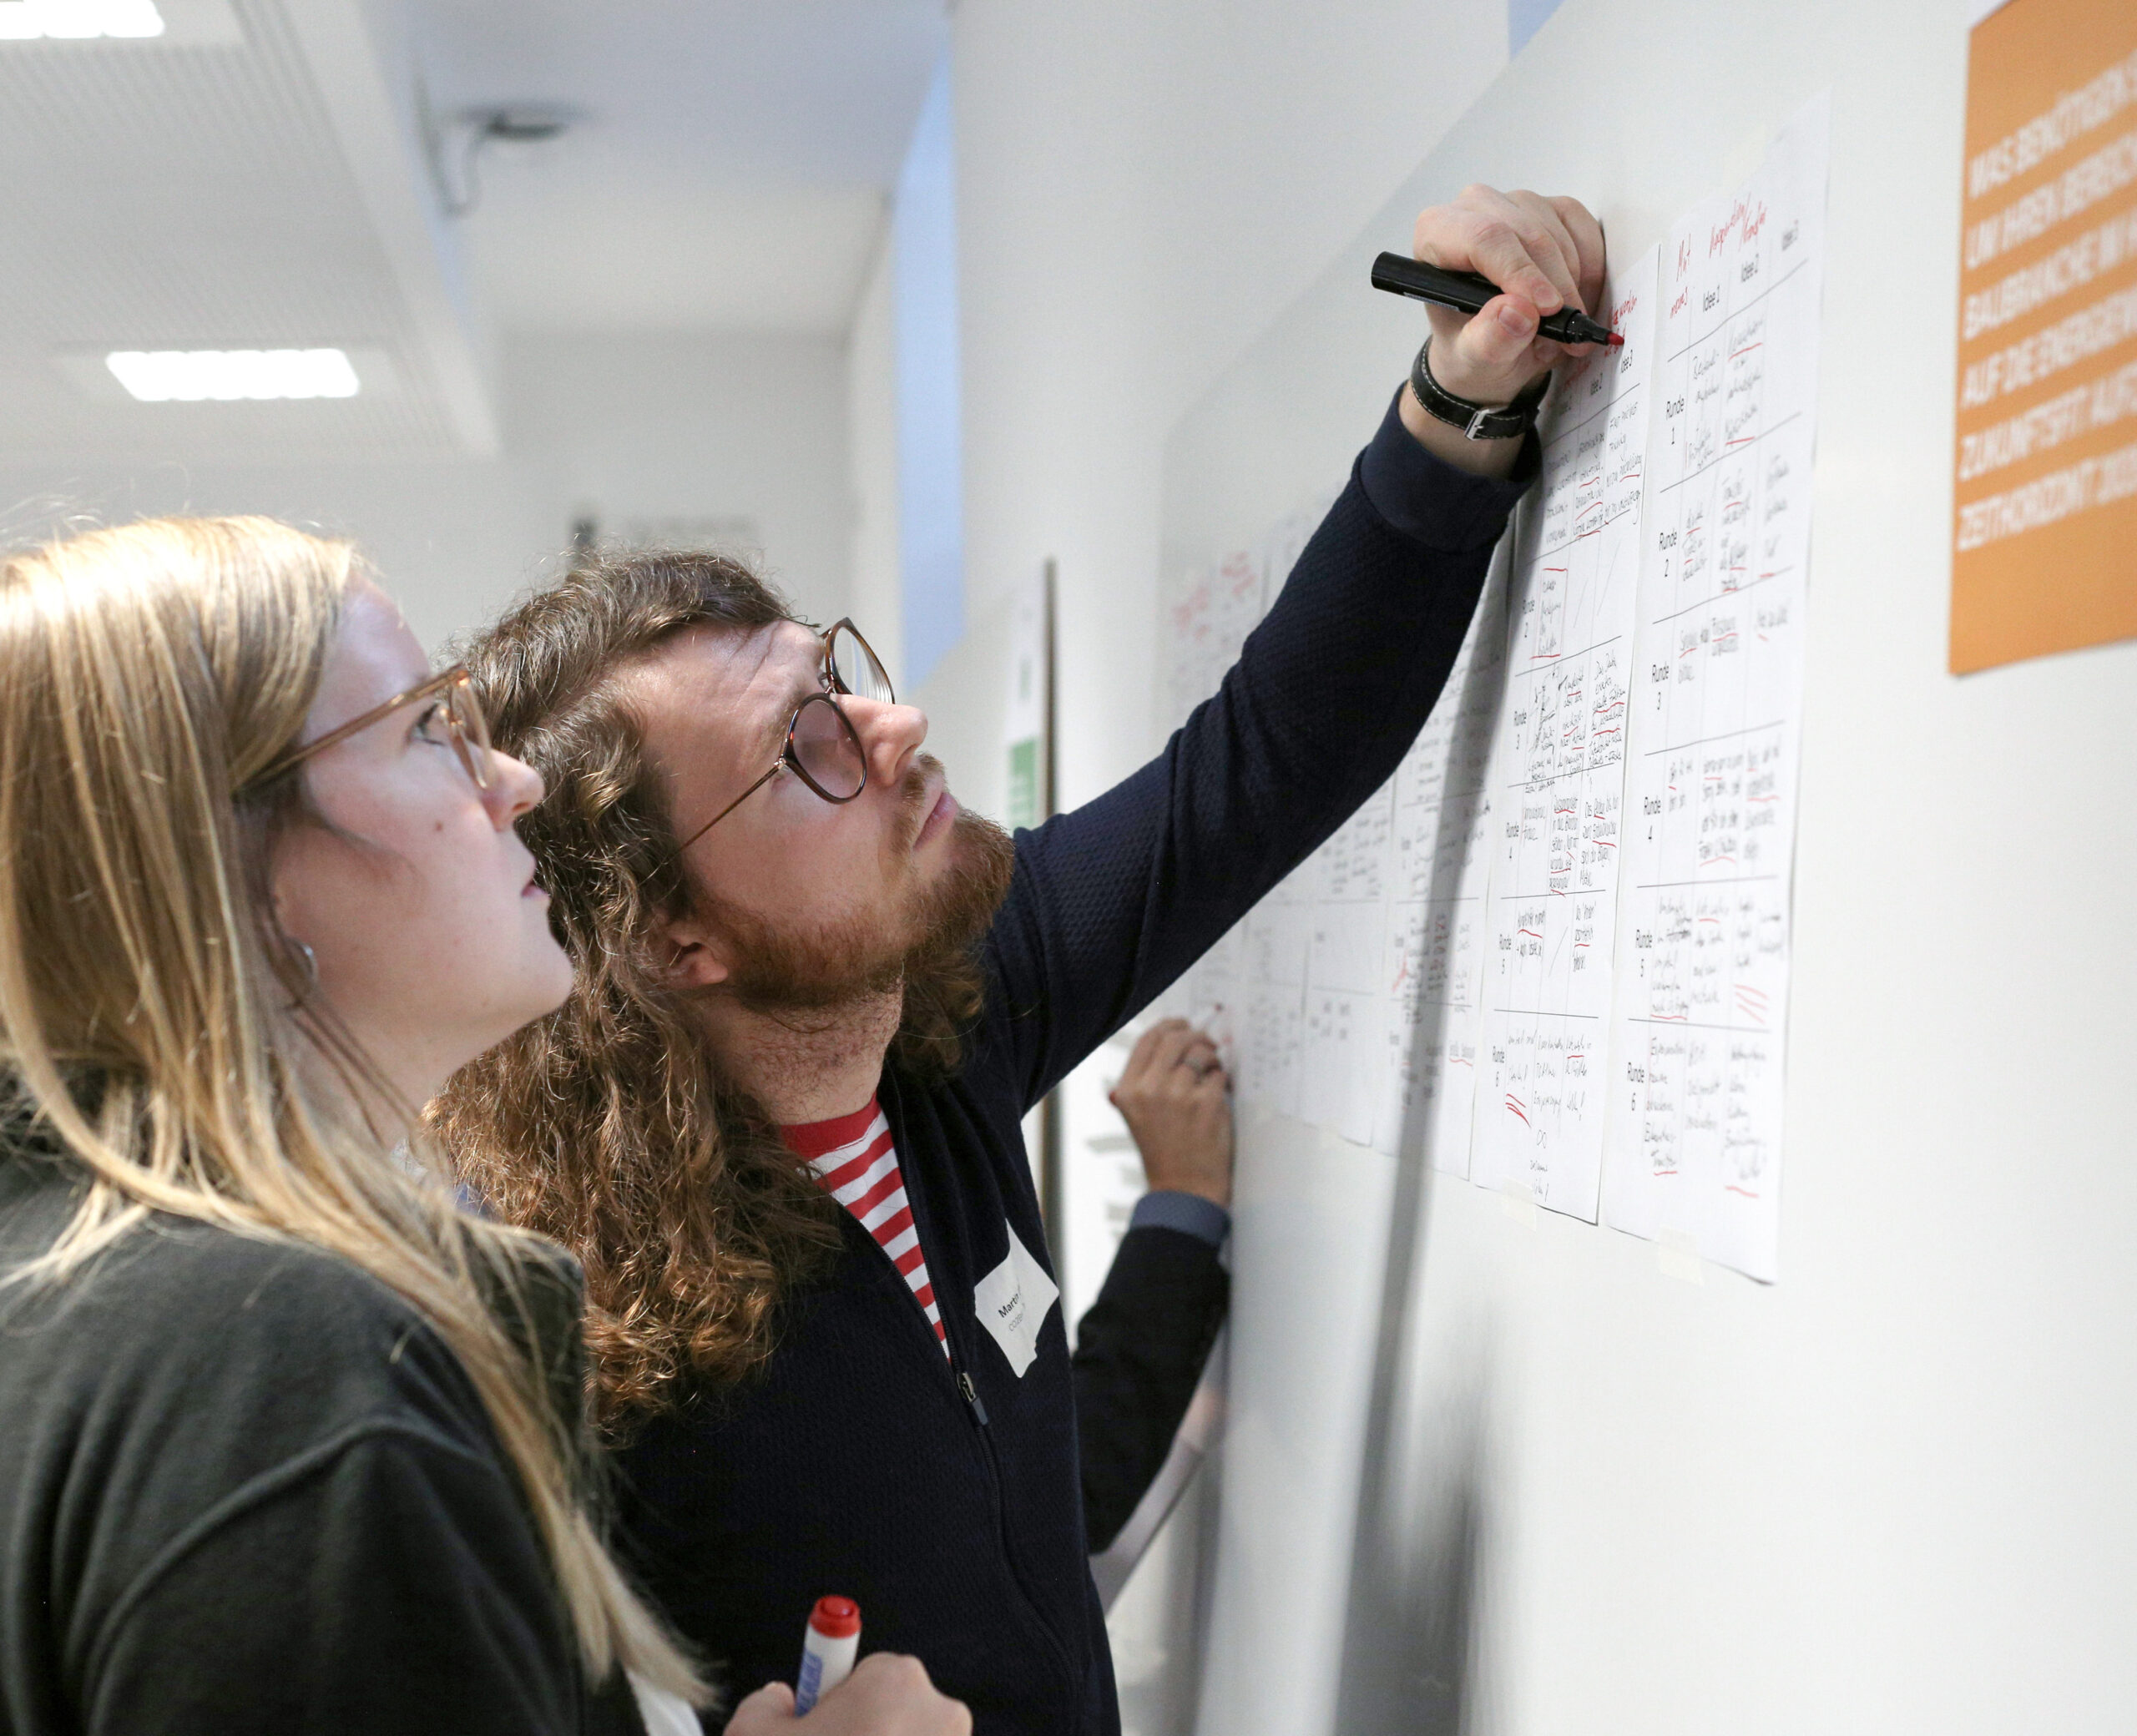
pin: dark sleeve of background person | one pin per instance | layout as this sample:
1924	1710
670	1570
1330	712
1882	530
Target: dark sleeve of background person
1139	1357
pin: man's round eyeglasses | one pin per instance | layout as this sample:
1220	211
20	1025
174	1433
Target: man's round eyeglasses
465	727
822	748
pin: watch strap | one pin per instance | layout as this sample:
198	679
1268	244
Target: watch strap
1479	422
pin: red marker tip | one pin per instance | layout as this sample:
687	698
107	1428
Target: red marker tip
835	1617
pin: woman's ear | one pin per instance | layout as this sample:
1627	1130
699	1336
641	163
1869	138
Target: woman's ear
278	901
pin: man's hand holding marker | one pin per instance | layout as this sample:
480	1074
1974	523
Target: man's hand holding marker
1544	254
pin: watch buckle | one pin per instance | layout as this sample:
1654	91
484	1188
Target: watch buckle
1476	430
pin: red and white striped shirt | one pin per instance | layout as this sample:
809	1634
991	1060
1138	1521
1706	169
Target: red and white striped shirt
853	1157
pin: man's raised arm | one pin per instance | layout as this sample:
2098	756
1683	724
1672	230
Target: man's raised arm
1113	901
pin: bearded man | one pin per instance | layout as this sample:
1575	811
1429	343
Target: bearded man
804	972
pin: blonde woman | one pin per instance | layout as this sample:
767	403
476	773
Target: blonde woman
287	1443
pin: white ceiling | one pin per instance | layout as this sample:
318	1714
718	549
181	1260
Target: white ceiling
731	170
268	191
160	197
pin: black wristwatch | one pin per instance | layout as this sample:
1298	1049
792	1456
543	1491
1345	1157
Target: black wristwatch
1479	422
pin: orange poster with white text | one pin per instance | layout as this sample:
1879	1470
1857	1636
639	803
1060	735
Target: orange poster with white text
2044	546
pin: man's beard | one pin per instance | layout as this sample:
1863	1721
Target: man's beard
772	966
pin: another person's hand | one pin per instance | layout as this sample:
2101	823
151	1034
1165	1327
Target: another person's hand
1175	1099
1544	254
886	1695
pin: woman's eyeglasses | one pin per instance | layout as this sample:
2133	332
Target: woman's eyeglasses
465	726
822	748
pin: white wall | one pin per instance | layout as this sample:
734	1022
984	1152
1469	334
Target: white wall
876	602
1142	185
663	430
1891	1494
686	428
1498	1470
447	537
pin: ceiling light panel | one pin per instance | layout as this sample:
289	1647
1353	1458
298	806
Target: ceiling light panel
160	24
79	20
224	376
190	199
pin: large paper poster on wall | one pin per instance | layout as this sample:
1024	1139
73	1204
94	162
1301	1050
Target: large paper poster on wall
1703	928
1553	953
1559	773
2045	491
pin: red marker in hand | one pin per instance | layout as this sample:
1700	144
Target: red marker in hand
828	1646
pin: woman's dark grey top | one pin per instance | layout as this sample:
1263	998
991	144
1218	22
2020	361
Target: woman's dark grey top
243	1487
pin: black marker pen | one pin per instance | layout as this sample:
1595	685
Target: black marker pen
1467	292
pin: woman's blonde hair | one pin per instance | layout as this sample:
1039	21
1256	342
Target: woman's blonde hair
157	1022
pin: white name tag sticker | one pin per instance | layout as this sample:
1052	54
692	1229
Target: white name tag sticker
1012	1302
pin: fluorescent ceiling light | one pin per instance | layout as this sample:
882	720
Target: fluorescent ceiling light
26	20
188	376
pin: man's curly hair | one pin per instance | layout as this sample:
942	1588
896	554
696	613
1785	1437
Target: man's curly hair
603	1125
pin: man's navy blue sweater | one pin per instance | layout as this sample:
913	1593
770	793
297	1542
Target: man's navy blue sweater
944	1496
